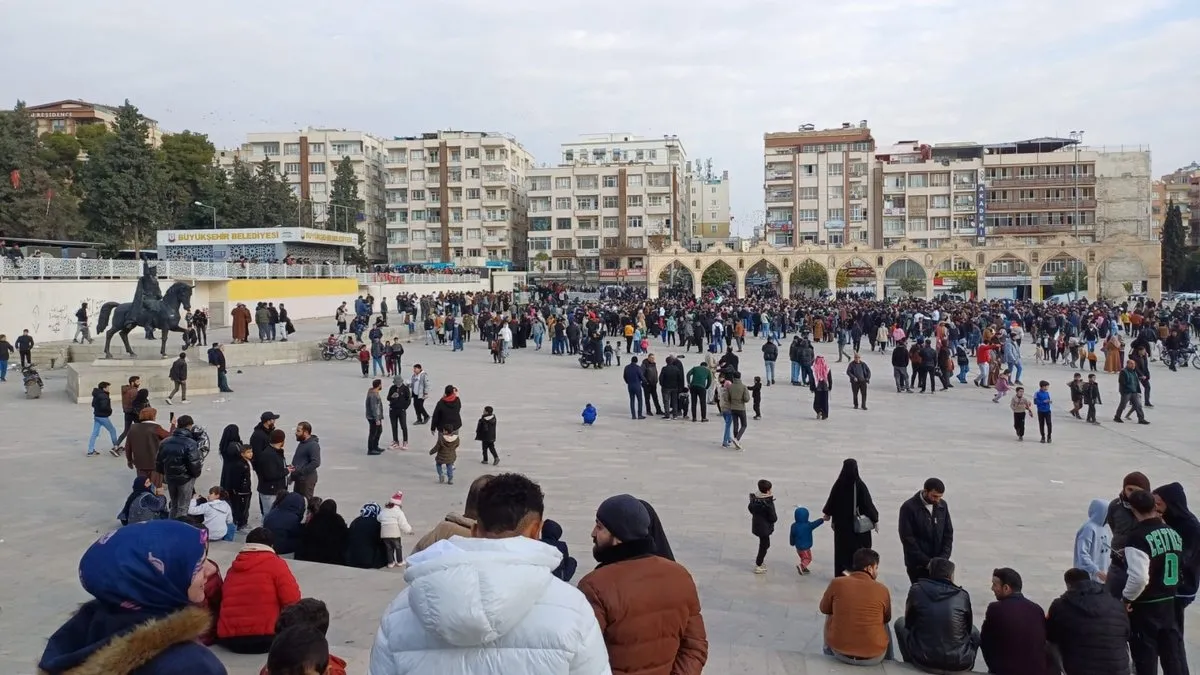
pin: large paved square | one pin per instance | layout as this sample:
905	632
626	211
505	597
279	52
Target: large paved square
1013	504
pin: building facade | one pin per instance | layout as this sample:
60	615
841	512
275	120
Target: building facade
818	186
309	159
708	202
69	116
613	198
1181	187
456	197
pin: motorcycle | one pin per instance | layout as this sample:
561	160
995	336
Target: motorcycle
587	359
202	440
33	381
1181	358
337	351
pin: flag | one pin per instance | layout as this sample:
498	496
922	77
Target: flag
15	177
49	194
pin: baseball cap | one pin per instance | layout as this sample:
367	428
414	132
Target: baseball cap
267	416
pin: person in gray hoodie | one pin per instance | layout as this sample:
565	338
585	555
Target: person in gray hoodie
303	469
375	418
1093	543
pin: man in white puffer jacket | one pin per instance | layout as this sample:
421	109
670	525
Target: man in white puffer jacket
491	604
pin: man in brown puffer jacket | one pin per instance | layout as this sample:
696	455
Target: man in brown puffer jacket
141	445
128	393
647	606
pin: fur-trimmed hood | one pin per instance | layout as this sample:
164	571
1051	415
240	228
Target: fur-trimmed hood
88	645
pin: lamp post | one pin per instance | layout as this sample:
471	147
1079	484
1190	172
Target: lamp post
211	208
1076	136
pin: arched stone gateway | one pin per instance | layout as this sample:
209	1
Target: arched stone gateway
677	276
763	277
1118	260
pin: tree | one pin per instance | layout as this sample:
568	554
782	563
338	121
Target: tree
279	205
188	177
36	199
809	274
1174	249
718	274
241	204
541	262
1064	281
122	183
345	207
92	136
912	284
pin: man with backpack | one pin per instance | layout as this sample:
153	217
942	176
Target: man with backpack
179	463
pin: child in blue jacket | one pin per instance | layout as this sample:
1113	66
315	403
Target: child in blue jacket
589	414
801	537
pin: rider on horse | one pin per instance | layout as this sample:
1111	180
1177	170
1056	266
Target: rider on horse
147	299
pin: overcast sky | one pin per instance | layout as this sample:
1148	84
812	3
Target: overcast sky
717	74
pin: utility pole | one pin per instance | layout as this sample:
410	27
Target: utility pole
1076	136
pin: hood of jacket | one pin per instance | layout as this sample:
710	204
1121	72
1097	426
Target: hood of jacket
293	503
99	639
99	395
1089	598
252	557
1173	496
472	591
1097	511
937	590
800	514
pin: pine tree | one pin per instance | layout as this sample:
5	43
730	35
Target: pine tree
36	196
279	203
345	208
123	184
1174	249
242	207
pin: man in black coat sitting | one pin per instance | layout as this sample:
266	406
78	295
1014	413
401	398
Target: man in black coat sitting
1089	628
936	633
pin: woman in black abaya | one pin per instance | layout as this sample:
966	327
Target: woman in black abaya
840	507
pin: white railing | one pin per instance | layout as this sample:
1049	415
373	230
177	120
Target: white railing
408	278
93	268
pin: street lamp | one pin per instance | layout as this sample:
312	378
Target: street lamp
212	208
340	206
1076	136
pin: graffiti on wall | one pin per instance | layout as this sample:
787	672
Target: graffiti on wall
59	319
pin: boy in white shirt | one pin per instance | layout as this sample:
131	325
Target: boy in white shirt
217	514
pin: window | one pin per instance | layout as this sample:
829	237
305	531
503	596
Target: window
587	203
587	242
612	242
539	224
433	156
807	215
633	180
653	154
316	168
837	214
564	244
586	182
569	156
940	223
807	169
473	193
417	175
712	215
489	155
471	153
837	192
916	180
490	194
417	155
474	173
712	229
270	149
291	148
316	148
939	201
807	193
612	221
916	225
473	214
455	155
857	214
417	195
635	242
654	200
893	226
562	223
633	201
539	183
858	169
835	169
456	215
612	203
291	168
610	181
343	149
418	215
562	203
539	243
633	221
660	180
562	183
435	196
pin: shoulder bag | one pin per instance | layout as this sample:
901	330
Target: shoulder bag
862	524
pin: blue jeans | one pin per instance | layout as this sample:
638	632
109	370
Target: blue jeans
806	374
449	469
635	394
3	370
1017	369
795	371
230	532
377	365
962	372
728	437
97	423
769	367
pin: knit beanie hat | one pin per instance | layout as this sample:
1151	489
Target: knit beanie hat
396	498
1137	478
625	517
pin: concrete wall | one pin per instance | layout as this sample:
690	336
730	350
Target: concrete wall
303	298
47	308
1124	194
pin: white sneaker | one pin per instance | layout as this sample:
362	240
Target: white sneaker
736	444
169	402
760	570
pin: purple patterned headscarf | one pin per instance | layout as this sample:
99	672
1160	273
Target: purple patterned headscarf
147	566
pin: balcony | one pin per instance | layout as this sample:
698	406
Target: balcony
1042	205
776	174
894	211
893	188
456	239
1039	228
495	177
395	160
618	251
780	196
1030	181
960	185
657	230
588	253
967	207
495	240
394	201
562	253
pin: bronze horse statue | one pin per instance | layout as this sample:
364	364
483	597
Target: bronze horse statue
163	317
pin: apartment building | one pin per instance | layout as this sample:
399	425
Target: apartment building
613	198
457	197
70	115
818	187
708	196
1181	187
309	159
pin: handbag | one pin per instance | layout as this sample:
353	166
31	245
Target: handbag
862	524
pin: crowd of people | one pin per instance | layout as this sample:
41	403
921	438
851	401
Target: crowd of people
1135	559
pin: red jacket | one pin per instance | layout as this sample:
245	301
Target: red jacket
336	667
259	584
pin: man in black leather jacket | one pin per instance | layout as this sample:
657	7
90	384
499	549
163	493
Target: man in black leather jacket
180	463
936	633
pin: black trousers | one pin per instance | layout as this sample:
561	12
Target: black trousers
1155	637
240	504
698	402
419	410
373	433
670	399
490	446
857	388
901	375
650	394
1045	426
764	543
399	417
1019	423
26	358
130	418
739	423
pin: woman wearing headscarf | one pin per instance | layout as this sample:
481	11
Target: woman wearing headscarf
821	385
285	520
143	503
662	547
145	581
325	535
364	547
234	470
849	498
1172	505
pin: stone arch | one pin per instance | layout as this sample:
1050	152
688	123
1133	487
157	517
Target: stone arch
901	268
1006	274
763	277
808	277
1120	275
955	272
718	274
855	273
1056	271
676	276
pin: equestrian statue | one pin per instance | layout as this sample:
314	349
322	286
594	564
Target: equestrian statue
151	308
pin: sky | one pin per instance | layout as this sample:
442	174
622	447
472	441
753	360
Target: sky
716	73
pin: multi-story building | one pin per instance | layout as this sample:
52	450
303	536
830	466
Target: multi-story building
69	116
614	197
1180	187
309	160
457	197
818	185
708	197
